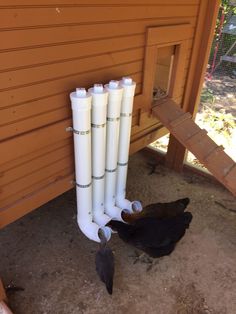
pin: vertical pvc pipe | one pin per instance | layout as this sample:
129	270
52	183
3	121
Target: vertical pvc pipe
99	113
124	144
81	109
115	92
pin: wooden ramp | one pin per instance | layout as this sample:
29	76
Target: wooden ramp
196	140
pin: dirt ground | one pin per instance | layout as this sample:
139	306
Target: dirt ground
223	88
46	254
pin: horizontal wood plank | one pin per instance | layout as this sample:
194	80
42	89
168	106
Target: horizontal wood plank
41	16
53	54
48	3
30	76
34	140
27	157
15	188
38	197
28	38
68	84
25	169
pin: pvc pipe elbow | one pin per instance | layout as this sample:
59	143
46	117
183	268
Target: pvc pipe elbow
101	219
124	204
128	206
90	230
114	212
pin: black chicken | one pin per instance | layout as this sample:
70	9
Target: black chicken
153	236
105	264
158	210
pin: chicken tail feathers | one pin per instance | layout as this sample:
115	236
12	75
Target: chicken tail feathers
105	267
109	286
184	202
187	218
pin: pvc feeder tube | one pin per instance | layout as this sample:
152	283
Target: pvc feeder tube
81	109
124	144
115	92
91	230
99	110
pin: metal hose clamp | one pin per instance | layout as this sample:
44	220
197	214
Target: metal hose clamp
110	170
113	119
83	186
70	129
98	178
122	163
98	125
126	115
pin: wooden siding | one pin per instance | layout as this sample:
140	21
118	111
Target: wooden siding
50	47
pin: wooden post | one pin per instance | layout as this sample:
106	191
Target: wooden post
175	154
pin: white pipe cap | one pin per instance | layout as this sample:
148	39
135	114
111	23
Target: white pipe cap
114	87
80	99
80	92
98	88
127	81
129	87
113	84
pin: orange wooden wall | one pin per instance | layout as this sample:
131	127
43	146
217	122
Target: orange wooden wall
47	49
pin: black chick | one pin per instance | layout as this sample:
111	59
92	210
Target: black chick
105	264
155	237
158	210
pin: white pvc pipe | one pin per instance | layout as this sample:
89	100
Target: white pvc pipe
99	113
81	109
115	92
124	144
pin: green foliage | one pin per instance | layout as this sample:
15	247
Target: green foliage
222	122
229	10
207	96
227	7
